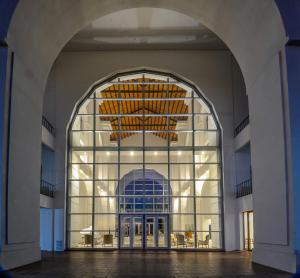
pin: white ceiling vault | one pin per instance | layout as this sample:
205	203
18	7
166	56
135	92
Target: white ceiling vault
145	28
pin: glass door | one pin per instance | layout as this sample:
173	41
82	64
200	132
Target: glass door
131	232
156	231
248	230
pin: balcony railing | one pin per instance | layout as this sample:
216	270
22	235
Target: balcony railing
244	188
48	126
47	188
241	126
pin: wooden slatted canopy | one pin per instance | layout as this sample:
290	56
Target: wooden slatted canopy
141	106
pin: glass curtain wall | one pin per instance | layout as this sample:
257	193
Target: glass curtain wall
139	123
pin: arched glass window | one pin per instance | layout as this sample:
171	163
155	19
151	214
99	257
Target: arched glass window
144	160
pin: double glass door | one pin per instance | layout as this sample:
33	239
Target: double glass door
144	231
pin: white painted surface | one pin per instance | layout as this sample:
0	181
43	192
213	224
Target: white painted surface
47	138
46	229
46	202
242	139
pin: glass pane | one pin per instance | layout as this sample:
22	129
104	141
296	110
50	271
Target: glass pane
180	122
87	107
106	157
207	188
206	156
125	231
183	222
105	222
83	122
162	232
106	239
251	231
80	239
105	188
82	139
182	139
82	157
81	223
181	171
208	223
109	122
182	188
207	171
161	169
127	168
106	171
81	188
131	157
207	205
106	139
137	232
183	239
80	205
81	171
183	204
156	139
204	122
206	138
200	106
181	156
150	230
105	205
131	139
156	156
209	240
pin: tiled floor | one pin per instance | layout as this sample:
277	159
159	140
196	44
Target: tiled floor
145	264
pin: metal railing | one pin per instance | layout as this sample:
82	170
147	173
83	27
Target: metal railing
48	126
244	188
241	126
47	188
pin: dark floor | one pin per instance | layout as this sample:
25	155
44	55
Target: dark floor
145	264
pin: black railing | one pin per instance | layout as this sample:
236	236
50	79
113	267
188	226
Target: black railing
47	188
48	126
244	188
241	126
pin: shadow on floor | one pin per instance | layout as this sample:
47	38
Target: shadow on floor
145	264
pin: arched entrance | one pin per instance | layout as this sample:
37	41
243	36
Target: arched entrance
144	159
144	206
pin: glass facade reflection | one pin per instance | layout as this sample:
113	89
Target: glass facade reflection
144	167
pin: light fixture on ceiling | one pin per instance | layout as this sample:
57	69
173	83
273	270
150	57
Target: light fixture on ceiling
132	153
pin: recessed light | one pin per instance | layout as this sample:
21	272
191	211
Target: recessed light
179	152
155	153
107	153
131	153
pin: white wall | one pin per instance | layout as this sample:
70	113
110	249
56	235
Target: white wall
272	193
46	229
74	72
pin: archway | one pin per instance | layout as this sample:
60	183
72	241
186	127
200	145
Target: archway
252	40
145	165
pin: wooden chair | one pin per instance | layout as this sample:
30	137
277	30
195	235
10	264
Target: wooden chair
180	240
108	240
87	240
204	243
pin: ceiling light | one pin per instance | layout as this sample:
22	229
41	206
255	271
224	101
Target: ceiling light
131	153
107	153
179	152
155	153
